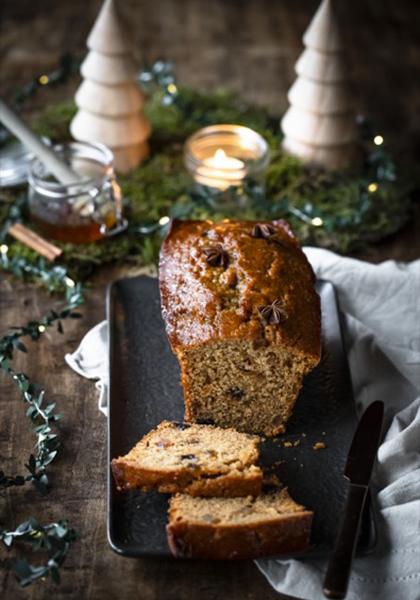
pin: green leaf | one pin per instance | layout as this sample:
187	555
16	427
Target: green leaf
21	347
55	575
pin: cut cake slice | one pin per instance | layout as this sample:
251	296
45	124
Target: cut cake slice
201	460
237	528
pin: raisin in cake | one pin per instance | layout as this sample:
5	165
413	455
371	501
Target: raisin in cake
228	528
195	459
243	318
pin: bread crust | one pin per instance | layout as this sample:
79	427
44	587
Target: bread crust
186	481
288	534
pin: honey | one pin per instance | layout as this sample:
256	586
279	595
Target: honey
80	212
82	233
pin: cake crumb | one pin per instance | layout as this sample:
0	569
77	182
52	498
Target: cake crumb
287	444
296	443
271	479
319	446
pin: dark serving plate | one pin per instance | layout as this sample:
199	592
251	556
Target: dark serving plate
145	389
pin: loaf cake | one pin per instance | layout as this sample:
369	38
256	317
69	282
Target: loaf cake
243	319
228	528
196	459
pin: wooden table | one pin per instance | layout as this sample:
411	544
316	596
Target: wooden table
251	46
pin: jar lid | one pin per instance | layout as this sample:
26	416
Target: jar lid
14	162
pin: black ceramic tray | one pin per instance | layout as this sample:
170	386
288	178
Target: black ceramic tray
144	390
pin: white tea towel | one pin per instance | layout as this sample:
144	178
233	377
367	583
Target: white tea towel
91	361
381	304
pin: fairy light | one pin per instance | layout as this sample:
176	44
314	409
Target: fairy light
372	187
69	282
41	328
4	248
43	79
317	222
164	221
172	89
378	140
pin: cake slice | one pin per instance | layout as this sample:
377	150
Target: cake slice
227	528
201	460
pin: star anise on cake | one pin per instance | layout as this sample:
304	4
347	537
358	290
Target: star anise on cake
274	313
263	230
216	256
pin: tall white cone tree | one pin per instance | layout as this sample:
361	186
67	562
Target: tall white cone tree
319	125
109	100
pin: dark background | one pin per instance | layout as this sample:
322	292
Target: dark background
250	46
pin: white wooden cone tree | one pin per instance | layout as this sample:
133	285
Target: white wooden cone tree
319	125
109	100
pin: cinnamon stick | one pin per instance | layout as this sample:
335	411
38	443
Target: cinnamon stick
36	242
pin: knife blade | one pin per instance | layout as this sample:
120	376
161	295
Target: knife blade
358	470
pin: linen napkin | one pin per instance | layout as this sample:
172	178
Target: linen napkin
381	305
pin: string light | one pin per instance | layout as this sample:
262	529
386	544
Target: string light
317	222
164	221
43	79
372	187
172	89
41	328
69	282
378	140
4	249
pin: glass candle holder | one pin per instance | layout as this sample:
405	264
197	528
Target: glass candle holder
221	156
80	212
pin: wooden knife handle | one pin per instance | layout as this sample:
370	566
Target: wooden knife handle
339	565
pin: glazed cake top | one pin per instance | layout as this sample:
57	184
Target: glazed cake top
238	280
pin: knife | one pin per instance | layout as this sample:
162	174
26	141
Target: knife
360	461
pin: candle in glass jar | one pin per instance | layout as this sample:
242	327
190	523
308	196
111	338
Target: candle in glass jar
221	170
221	156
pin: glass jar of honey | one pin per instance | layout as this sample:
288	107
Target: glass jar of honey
80	212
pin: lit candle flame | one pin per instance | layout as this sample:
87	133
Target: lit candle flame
221	170
221	160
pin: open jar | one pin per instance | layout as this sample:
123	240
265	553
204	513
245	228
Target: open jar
79	212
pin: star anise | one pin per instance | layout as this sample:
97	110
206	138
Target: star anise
216	256
274	313
263	230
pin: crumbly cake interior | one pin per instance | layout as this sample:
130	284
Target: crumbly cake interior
233	511
174	445
242	384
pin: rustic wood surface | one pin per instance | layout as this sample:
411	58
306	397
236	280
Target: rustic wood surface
251	46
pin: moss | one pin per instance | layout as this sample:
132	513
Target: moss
160	186
53	121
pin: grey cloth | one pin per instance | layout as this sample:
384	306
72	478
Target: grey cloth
381	304
382	333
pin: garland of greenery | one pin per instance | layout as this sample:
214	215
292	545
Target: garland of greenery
53	539
40	416
338	211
